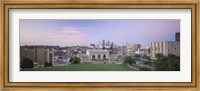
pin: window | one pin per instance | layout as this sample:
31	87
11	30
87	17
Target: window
99	56
104	56
93	56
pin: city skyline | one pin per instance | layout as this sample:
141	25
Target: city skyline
86	32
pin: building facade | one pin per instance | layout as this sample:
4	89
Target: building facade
133	46
83	57
97	54
42	55
177	38
130	52
29	53
59	57
165	48
39	55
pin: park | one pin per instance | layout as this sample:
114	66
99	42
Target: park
86	67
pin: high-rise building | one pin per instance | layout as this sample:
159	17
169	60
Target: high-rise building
92	45
133	46
42	55
108	43
177	38
29	53
39	55
111	45
136	46
103	44
165	48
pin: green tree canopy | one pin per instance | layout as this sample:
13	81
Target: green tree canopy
137	56
75	60
129	60
46	64
71	60
27	63
170	63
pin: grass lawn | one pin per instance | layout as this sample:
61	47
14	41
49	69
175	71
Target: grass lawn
85	67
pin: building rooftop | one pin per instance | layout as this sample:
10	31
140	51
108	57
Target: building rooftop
98	50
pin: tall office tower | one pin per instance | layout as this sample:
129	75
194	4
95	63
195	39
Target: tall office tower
177	38
103	44
108	43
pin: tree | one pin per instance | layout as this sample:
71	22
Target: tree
161	63
71	60
75	60
27	63
129	60
146	57
147	63
46	64
145	69
170	63
174	63
137	56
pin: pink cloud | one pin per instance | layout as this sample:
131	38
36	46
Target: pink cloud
70	30
73	30
70	34
71	40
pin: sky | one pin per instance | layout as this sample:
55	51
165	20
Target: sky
86	32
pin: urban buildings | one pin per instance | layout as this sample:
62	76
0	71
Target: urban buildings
133	46
83	57
165	48
108	43
42	54
29	53
39	54
143	51
130	52
97	54
59	57
93	45
104	50
177	38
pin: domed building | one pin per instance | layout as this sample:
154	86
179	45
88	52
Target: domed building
97	54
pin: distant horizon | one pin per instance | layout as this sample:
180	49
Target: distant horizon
85	32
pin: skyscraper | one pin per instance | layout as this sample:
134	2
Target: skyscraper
108	43
177	38
103	44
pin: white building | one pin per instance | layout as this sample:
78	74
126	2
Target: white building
97	54
135	47
165	48
139	52
59	61
83	57
113	57
59	58
130	52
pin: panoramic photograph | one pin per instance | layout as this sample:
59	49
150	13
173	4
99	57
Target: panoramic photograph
99	45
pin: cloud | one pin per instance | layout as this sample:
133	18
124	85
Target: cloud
73	30
70	30
71	34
